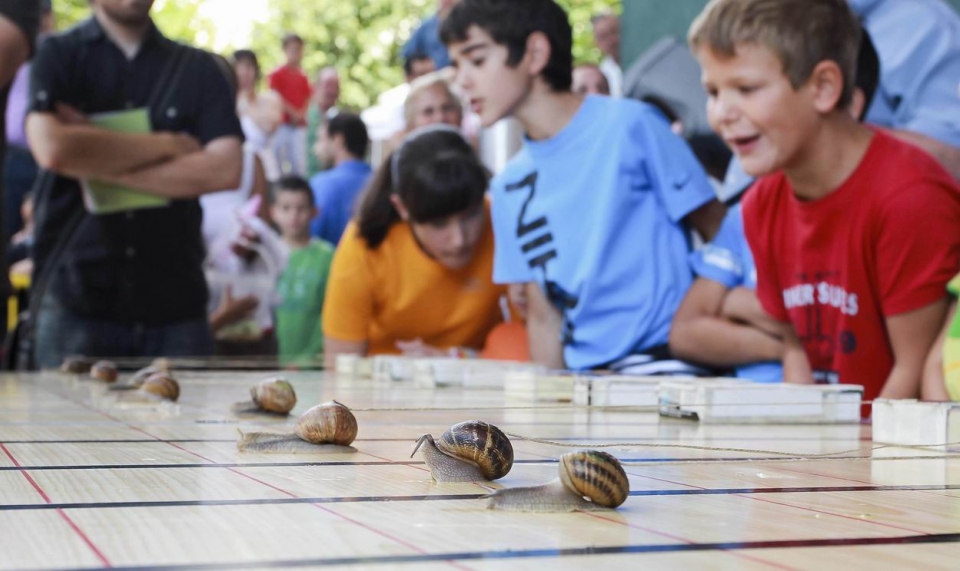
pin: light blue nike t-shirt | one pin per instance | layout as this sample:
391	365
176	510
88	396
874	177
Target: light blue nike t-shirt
729	261
593	215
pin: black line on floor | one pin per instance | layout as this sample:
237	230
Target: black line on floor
557	553
458	497
547	461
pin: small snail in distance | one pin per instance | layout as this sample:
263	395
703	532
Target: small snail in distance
105	371
587	473
471	451
76	365
161	385
274	396
327	427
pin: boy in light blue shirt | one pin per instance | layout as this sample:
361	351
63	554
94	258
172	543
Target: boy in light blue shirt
592	215
721	322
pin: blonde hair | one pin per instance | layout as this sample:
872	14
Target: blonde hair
421	85
802	33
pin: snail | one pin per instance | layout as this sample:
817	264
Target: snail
76	365
161	385
105	371
327	427
472	451
274	396
136	380
587	473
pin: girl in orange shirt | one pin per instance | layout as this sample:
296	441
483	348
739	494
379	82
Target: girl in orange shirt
413	272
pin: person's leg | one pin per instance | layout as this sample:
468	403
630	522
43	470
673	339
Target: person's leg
61	333
187	339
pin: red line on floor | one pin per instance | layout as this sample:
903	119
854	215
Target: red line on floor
73	525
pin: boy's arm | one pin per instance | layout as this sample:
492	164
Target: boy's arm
706	219
217	167
544	324
742	304
796	365
701	335
933	387
80	150
912	335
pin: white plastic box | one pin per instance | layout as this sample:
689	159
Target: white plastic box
617	390
467	373
527	386
354	366
392	368
909	422
737	401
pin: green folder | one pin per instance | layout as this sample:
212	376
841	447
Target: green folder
104	198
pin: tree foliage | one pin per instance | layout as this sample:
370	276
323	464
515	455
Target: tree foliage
177	19
363	39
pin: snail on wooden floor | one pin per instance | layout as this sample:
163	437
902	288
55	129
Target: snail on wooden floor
161	385
472	451
76	365
104	371
274	396
328	427
584	474
136	380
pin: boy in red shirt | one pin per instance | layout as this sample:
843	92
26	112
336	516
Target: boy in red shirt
855	233
289	81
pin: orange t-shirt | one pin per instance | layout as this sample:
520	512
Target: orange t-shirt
397	293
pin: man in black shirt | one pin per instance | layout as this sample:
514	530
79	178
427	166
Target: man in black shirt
129	283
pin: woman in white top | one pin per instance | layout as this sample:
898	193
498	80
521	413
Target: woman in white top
261	112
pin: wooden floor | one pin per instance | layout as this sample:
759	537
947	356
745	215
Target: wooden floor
87	483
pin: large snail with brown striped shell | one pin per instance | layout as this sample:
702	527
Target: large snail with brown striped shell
589	480
327	427
472	451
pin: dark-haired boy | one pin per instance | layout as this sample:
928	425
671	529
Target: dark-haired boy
855	233
341	147
591	213
303	283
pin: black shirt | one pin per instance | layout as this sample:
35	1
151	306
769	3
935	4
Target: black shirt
136	267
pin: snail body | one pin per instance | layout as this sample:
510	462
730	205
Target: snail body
471	451
274	395
596	476
328	427
161	385
105	371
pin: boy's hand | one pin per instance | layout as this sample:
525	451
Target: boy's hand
517	294
417	348
70	115
231	309
182	144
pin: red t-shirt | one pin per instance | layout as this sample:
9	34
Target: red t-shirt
885	242
293	87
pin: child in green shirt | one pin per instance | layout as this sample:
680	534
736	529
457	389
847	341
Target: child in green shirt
303	283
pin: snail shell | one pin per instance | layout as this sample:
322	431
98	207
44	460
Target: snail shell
596	475
162	385
105	371
76	364
479	443
327	423
274	395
